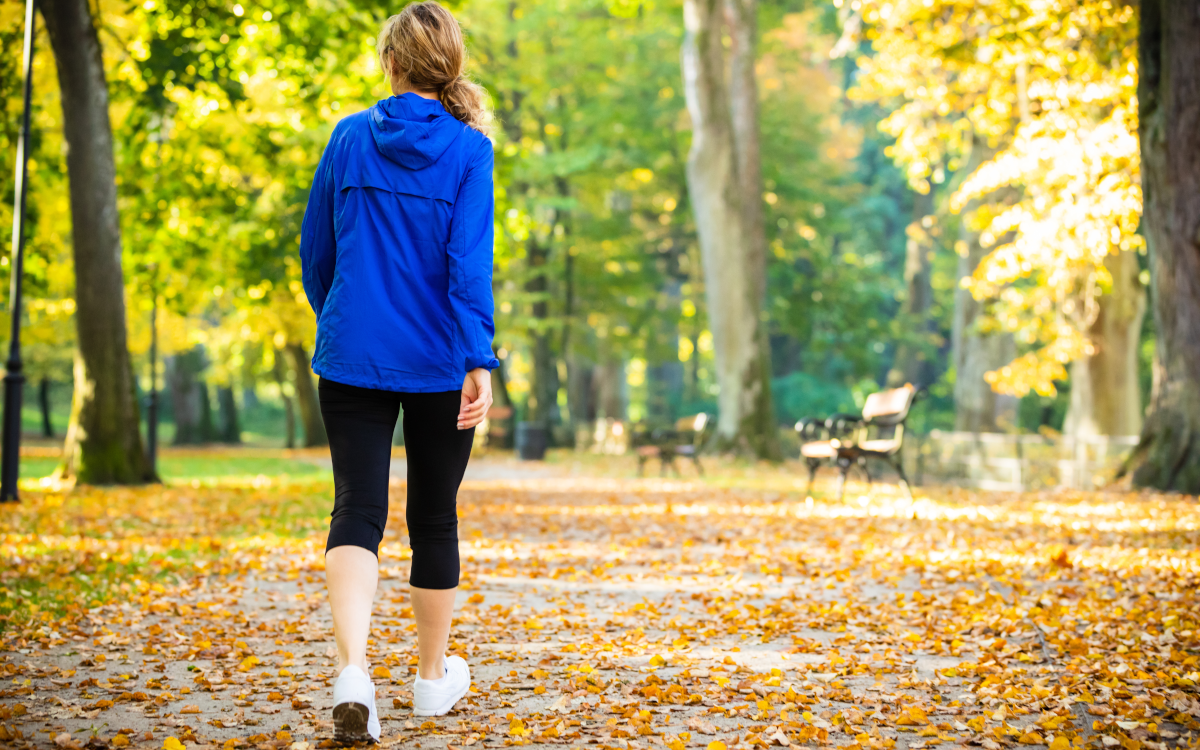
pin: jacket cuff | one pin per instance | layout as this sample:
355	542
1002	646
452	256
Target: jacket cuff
488	362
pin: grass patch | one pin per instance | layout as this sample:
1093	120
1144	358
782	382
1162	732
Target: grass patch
65	551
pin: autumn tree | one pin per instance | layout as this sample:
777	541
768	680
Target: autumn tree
724	182
1168	453
1030	105
104	442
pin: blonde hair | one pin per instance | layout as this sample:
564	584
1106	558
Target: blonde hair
423	47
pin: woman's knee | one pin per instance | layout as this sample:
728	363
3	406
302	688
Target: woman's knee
356	529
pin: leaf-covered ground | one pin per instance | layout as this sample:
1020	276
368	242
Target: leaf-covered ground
602	611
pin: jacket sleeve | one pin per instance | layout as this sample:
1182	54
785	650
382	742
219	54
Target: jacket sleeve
318	249
470	250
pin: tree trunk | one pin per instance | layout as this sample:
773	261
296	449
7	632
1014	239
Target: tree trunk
289	407
231	431
306	396
208	430
912	363
664	372
975	352
733	269
610	383
182	375
110	447
543	391
1106	397
44	402
1168	455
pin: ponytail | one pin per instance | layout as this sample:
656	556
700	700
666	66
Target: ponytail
423	46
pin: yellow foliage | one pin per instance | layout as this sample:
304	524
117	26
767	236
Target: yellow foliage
1048	93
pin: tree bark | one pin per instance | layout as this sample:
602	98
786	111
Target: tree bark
664	371
183	383
1106	396
911	363
208	430
977	408
110	442
289	406
306	397
718	185
543	390
974	352
1168	454
231	431
609	382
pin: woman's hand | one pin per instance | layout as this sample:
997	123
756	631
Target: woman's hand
476	398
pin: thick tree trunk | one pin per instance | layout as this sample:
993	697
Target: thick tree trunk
306	397
912	364
1106	397
110	447
733	269
1168	455
289	407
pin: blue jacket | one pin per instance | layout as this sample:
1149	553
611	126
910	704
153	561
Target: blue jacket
396	249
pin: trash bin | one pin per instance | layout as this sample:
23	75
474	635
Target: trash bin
531	441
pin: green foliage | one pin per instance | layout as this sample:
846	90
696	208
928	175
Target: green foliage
221	112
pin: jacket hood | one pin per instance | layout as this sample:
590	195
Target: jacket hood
411	130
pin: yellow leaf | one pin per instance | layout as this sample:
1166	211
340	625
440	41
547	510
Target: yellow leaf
1060	743
119	741
381	673
657	661
1030	738
172	743
190	710
716	745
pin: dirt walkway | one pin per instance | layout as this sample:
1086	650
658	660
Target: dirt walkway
638	613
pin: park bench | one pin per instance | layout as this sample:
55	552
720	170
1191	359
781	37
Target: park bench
847	440
685	438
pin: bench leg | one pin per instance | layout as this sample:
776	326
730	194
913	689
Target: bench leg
899	466
813	465
844	465
699	466
866	470
641	465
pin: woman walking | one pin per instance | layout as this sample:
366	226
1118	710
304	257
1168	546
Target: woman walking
397	263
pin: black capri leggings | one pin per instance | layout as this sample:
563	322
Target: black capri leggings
360	423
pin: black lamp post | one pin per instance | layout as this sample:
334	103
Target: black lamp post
14	377
152	407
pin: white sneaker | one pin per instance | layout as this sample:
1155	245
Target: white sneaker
437	697
354	715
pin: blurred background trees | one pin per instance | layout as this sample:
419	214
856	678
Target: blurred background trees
947	193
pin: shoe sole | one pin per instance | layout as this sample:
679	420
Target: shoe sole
350	723
445	708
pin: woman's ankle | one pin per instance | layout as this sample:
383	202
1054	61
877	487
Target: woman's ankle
360	665
435	672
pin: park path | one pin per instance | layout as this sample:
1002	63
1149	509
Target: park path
623	613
